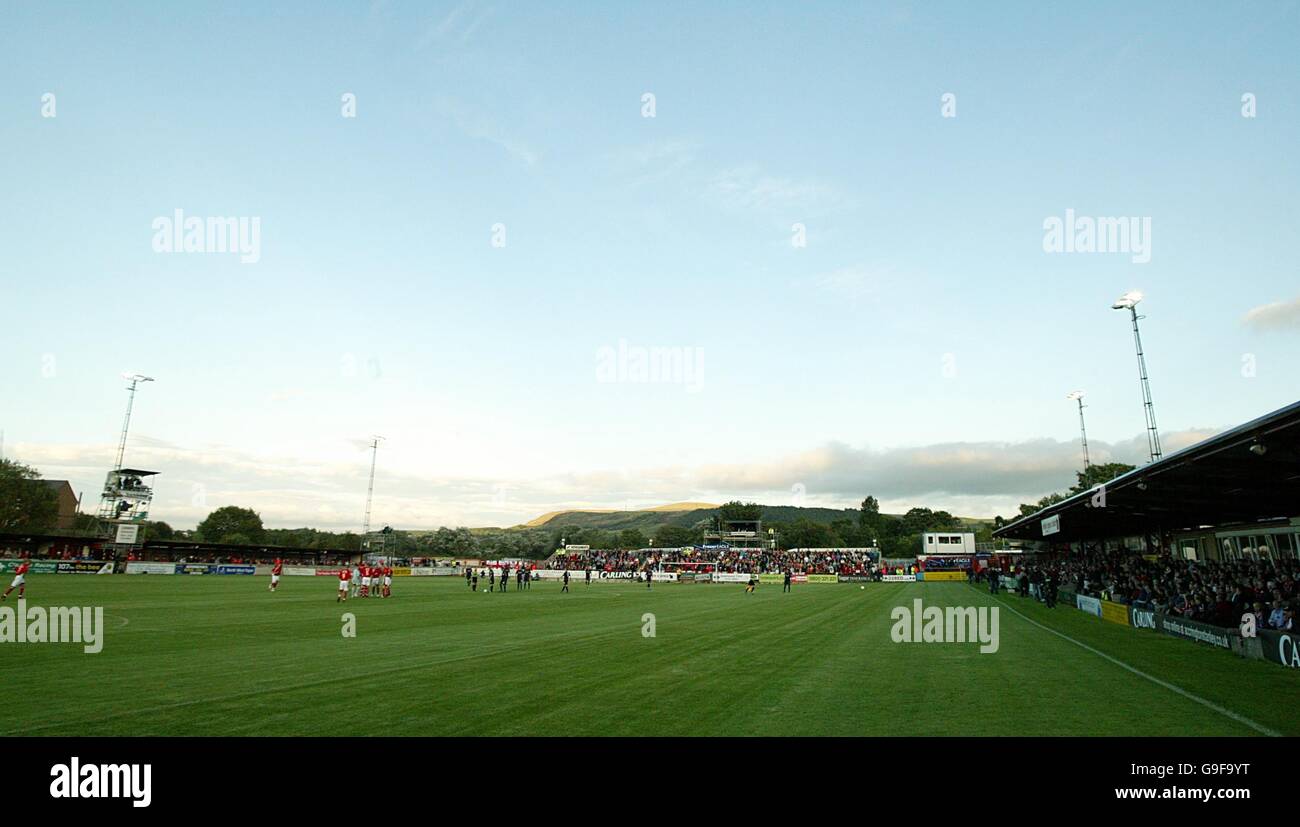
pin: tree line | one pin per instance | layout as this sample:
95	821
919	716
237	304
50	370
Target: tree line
28	505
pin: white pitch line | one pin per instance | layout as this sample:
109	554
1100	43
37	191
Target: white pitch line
1241	719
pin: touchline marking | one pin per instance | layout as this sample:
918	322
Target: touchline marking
1241	719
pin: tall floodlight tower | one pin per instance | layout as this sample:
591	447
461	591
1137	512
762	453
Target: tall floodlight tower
135	379
1083	429
1129	301
127	494
370	491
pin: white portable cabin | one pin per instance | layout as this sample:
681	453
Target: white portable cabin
947	542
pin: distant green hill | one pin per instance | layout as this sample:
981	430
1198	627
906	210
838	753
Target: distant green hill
648	520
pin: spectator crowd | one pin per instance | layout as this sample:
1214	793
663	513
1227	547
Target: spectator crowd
1214	592
731	560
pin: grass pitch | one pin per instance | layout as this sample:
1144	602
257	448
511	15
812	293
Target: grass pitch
223	656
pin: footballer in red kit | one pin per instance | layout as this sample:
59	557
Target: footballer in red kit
276	571
344	576
20	580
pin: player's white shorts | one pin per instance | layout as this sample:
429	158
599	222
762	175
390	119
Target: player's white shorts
388	581
275	578
343	585
18	581
365	581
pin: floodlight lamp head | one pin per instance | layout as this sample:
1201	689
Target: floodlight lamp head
1074	395
1127	301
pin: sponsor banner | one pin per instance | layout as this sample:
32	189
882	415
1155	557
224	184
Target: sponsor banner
141	567
194	568
799	578
433	571
854	578
771	578
823	578
686	577
581	575
945	576
402	571
731	577
1187	629
934	563
611	575
327	572
703	577
84	567
1281	647
300	571
920	575
1141	618
235	568
1193	630
898	578
1091	605
38	566
1051	525
1114	612
664	577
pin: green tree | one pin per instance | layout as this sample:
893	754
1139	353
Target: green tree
675	536
231	520
738	511
917	520
631	538
805	533
26	503
869	516
450	542
1029	508
1098	474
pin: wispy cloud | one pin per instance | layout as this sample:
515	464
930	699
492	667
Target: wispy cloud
480	125
1276	316
851	282
749	188
655	161
459	24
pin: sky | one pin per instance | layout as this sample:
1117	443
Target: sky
478	224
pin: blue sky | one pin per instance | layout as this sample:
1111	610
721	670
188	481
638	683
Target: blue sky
919	347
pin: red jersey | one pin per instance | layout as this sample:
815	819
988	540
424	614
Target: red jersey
345	575
278	568
388	572
22	568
